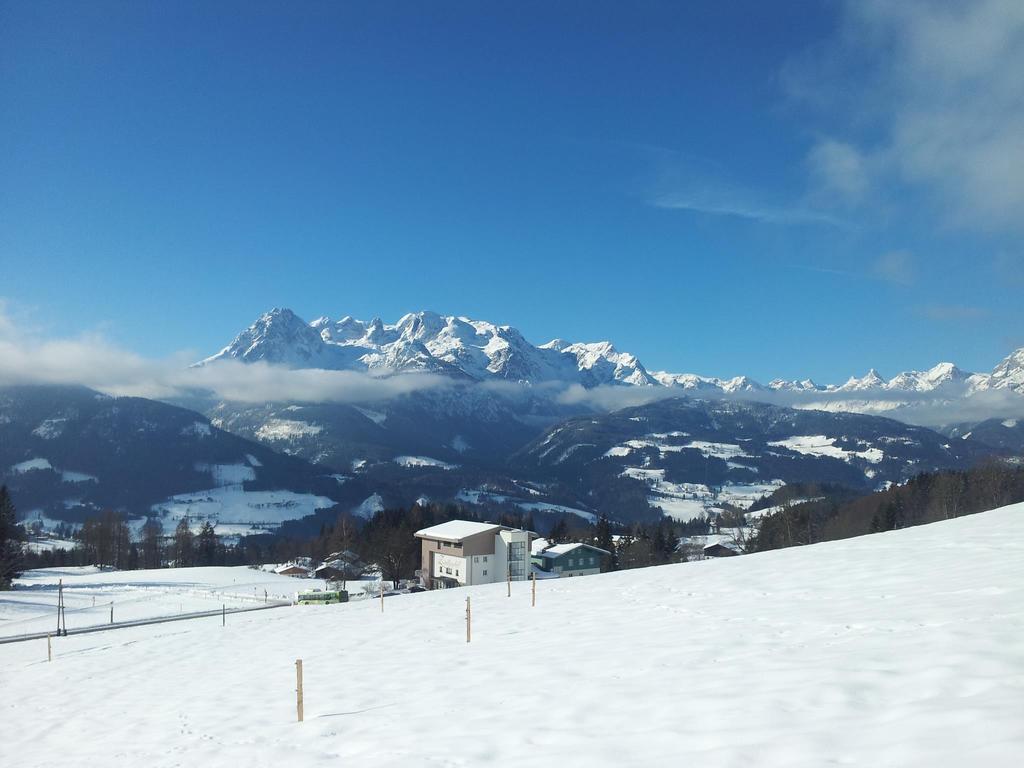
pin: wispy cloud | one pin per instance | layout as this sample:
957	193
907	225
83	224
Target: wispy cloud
735	205
26	357
839	171
924	95
895	267
892	267
681	182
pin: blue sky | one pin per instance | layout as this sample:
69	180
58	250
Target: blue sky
793	189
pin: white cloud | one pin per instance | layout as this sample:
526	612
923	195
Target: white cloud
92	361
840	171
929	93
895	267
686	183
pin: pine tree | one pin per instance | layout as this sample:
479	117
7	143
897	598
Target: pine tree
206	545
151	533
10	540
559	532
184	554
605	541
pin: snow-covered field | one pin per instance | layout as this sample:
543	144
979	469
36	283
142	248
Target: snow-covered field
897	650
89	591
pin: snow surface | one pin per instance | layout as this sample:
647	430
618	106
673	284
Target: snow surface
287	429
423	461
820	445
376	417
897	650
228	474
68	476
197	429
236	506
686	501
32	605
478	496
50	428
30	465
370	506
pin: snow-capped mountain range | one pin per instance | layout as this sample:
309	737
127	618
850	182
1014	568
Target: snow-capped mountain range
481	351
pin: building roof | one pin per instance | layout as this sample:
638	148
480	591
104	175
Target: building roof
456	530
539	545
291	566
540	573
561	549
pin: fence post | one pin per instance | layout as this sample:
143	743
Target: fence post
223	615
382	593
508	580
298	688
533	589
469	622
60	602
49	649
111	611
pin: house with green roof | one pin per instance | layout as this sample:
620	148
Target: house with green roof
569	560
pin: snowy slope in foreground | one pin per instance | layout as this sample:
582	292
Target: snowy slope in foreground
899	649
146	594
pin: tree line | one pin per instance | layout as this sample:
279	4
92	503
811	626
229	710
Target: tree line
926	498
386	540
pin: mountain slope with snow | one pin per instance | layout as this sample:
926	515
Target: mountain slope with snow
690	457
475	350
66	453
898	649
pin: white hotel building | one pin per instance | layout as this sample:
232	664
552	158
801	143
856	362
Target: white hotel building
460	553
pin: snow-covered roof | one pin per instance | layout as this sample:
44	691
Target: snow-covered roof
456	530
540	573
290	566
727	544
561	549
539	545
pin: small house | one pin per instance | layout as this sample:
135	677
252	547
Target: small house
570	559
292	569
721	550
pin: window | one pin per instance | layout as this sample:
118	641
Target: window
476	559
456	571
485	571
485	558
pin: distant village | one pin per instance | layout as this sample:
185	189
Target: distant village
461	553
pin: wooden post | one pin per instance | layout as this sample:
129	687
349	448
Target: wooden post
298	688
49	649
223	615
533	589
382	593
469	622
111	611
264	596
60	606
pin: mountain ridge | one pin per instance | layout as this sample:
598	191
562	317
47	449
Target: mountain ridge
478	350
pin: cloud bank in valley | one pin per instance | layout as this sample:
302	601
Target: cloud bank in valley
90	360
27	357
